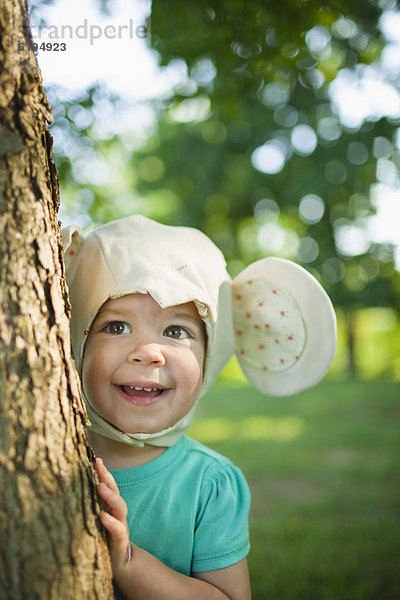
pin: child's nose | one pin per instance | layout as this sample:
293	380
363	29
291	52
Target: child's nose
148	353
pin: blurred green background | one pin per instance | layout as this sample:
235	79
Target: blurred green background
264	142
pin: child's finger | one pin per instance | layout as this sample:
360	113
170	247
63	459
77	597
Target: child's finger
104	474
115	529
118	538
113	501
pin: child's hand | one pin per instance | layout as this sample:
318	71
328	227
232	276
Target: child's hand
114	519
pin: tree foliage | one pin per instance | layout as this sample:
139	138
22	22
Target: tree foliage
255	92
266	70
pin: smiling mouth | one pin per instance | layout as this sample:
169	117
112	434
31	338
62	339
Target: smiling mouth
143	396
144	392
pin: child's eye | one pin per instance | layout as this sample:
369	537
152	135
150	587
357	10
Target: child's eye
117	328
177	332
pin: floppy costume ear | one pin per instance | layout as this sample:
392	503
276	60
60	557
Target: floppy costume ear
72	239
285	327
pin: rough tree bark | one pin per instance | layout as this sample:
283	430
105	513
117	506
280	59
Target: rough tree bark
51	546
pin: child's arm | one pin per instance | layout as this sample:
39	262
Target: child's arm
145	577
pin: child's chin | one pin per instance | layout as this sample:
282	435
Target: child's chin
145	428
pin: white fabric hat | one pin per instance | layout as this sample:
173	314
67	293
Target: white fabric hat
281	322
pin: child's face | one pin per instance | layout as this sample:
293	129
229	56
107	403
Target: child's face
134	343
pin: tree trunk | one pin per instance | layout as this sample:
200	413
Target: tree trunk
51	545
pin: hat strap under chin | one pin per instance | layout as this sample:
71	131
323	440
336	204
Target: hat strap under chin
106	429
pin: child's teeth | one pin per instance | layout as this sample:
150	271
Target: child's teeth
146	389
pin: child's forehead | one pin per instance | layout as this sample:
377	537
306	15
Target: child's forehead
145	302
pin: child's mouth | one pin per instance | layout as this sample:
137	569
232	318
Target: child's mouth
135	390
143	396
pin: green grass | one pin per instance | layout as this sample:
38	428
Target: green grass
323	468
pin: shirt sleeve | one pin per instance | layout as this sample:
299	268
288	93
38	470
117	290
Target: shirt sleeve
221	534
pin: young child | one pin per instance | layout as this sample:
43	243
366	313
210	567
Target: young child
155	317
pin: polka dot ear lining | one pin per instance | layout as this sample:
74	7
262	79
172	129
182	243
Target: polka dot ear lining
269	329
284	326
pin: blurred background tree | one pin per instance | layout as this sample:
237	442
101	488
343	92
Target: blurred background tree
251	144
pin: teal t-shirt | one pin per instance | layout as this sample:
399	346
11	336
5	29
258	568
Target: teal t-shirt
188	507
